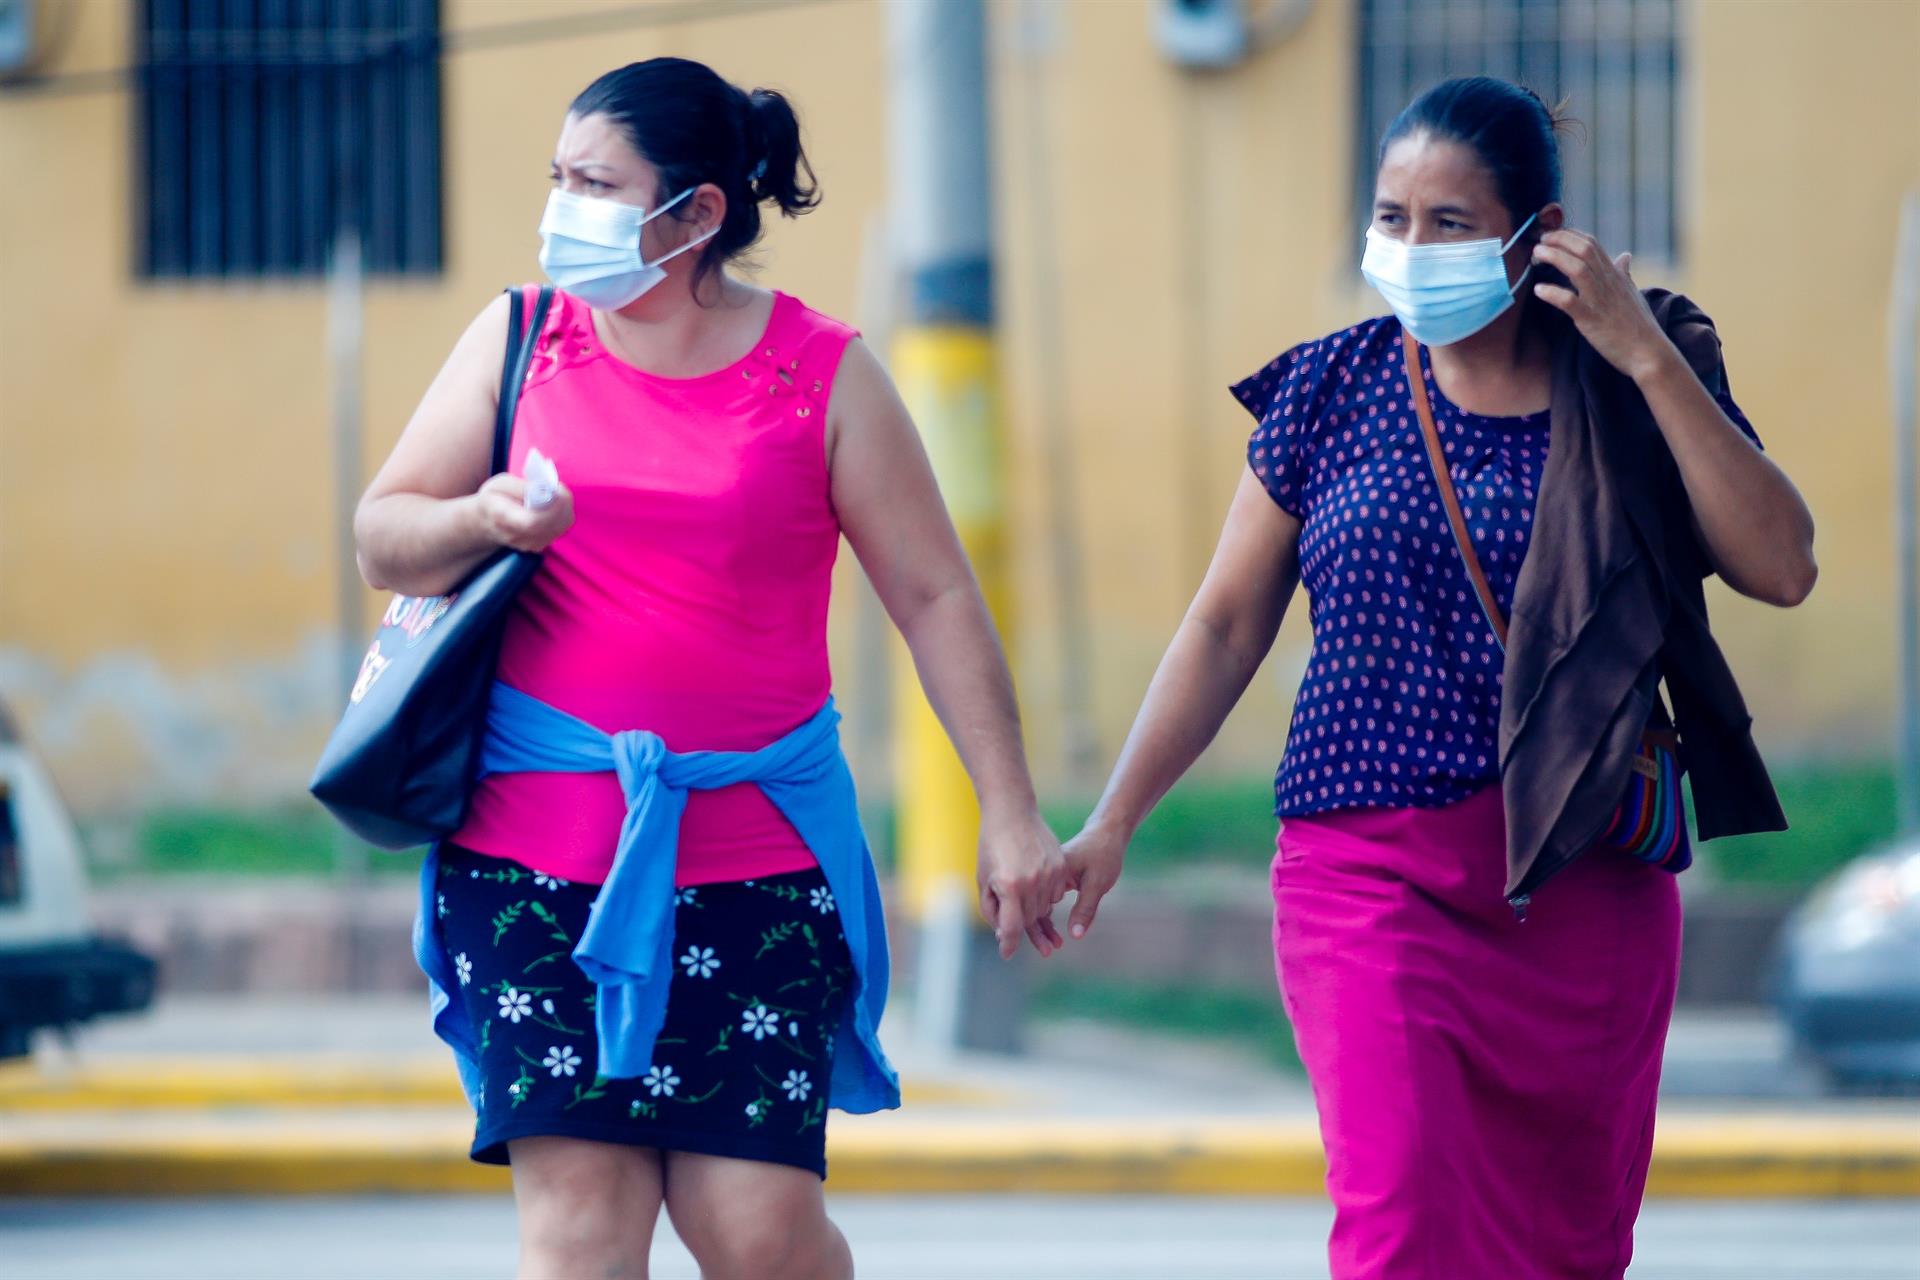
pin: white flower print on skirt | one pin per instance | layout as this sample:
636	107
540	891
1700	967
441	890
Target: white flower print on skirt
759	983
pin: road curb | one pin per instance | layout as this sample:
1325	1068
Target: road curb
187	1083
1721	1158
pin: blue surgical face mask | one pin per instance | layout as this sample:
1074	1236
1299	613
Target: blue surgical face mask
591	248
1442	292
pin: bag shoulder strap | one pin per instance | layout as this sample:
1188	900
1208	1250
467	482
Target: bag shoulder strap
1442	476
521	340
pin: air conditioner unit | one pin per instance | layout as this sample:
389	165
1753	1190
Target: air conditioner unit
1212	35
1203	33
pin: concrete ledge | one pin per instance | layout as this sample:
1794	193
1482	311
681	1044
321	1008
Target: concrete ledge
217	1083
1120	1156
187	1083
273	1153
1800	1157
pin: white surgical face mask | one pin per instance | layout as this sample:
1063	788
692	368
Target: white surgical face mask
591	248
1442	292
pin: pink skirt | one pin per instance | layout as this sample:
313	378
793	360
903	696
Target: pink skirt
1485	1086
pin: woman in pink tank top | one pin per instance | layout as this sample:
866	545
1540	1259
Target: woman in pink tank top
713	442
690	595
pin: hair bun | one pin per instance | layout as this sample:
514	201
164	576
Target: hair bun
777	167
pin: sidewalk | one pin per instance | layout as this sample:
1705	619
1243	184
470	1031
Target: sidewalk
342	1096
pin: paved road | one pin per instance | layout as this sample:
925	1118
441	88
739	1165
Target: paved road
403	1238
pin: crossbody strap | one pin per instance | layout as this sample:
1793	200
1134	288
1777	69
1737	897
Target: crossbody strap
1443	476
521	340
1659	731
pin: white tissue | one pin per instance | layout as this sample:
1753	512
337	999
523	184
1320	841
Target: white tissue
542	478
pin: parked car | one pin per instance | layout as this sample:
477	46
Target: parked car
1850	972
54	970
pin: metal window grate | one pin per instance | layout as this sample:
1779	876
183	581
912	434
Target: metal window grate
261	123
1615	61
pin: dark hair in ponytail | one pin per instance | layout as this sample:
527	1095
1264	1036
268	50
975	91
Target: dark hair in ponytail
695	127
782	176
1508	126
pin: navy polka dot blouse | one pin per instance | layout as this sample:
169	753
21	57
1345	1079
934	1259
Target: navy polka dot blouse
1400	705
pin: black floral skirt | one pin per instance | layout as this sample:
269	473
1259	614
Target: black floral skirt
741	1068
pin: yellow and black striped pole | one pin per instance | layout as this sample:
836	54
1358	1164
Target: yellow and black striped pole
946	373
944	363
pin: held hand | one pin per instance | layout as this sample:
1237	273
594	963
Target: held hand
1022	875
1604	303
1094	858
509	522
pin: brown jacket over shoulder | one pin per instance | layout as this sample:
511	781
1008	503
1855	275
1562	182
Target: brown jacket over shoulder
1610	602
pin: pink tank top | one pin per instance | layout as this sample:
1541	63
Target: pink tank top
690	595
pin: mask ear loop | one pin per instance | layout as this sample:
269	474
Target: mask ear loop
671	255
1514	288
674	253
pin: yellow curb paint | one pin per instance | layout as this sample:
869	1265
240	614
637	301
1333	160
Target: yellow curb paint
216	1083
190	1084
1078	1157
239	1169
226	1155
1717	1158
1792	1156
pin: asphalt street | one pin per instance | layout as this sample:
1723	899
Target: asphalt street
471	1238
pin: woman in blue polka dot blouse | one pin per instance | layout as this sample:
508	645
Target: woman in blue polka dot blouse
1485	1077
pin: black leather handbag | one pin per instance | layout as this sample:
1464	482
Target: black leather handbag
400	765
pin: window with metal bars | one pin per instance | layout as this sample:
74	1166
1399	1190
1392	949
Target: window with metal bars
265	125
1615	62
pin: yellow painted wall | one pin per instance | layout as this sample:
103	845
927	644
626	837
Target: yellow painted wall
166	547
1806	131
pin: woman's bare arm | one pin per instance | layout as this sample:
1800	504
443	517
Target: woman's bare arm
1221	643
432	514
891	510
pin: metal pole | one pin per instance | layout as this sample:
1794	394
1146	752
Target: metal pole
1039	22
345	340
1906	456
943	360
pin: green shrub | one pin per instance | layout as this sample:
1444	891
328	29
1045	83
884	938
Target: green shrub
293	839
1838	811
1249	1020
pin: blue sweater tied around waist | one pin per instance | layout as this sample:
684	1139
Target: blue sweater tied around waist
627	946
